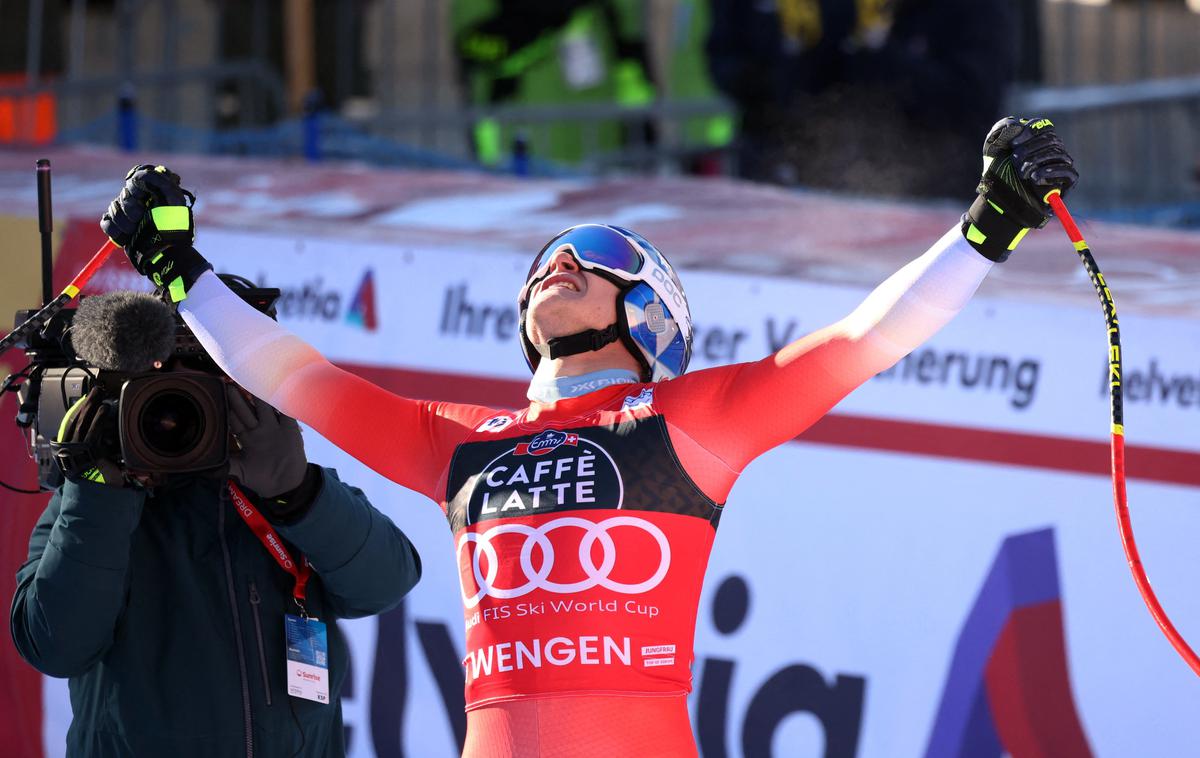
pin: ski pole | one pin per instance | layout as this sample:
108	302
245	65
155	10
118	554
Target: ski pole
1054	198
38	320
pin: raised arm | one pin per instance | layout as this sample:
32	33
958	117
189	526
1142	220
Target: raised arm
737	412
722	418
408	441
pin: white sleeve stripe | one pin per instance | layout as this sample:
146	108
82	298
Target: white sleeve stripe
919	299
253	349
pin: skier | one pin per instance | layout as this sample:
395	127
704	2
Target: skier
583	522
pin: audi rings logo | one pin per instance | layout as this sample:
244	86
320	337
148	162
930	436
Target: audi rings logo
537	577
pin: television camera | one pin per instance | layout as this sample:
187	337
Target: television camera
168	393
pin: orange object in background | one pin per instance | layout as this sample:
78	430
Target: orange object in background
26	119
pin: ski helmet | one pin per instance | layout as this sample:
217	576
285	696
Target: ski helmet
653	319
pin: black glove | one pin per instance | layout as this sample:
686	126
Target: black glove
1024	160
89	443
270	462
152	220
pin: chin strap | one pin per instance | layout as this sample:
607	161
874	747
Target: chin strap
580	342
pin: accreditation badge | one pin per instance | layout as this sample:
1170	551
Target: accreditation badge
307	658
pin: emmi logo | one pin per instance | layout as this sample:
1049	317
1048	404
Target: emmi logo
546	442
314	299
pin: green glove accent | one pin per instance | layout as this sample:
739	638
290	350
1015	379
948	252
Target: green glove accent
88	441
177	290
152	220
94	475
173	218
1023	160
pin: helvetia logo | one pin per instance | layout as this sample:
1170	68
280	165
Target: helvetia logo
313	299
362	307
1010	663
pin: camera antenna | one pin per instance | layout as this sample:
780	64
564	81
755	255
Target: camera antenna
45	226
38	320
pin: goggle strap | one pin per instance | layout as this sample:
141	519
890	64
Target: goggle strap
582	342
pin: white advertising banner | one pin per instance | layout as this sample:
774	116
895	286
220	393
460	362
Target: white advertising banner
861	600
1001	364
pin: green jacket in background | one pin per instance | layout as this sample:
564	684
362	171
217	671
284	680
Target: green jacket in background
572	53
166	613
575	53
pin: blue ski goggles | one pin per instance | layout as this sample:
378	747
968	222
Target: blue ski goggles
595	247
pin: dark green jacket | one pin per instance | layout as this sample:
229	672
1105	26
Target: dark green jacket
166	613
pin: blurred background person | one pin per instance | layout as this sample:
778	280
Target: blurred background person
575	52
828	88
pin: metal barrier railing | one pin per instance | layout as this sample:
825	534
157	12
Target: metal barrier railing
258	89
434	138
1138	144
449	129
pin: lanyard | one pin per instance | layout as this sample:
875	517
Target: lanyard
272	542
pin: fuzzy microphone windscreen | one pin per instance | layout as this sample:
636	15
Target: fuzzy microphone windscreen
123	331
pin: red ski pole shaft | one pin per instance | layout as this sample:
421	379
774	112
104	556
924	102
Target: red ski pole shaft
35	322
1124	524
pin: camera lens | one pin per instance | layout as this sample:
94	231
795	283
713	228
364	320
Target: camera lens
171	423
174	422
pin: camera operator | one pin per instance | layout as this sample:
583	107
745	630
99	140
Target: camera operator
197	617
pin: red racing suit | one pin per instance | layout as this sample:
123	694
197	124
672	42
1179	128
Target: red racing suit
581	544
582	527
